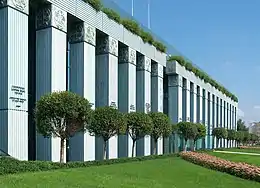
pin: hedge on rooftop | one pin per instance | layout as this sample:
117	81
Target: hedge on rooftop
129	24
202	75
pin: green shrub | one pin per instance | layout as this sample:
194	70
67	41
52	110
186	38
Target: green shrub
13	166
132	26
147	37
113	15
129	24
160	46
96	4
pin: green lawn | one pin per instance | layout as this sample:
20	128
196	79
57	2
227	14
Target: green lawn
161	173
244	150
250	159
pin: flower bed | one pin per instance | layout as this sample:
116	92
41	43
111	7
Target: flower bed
241	170
248	147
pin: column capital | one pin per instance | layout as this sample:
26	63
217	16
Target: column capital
186	85
174	81
83	32
127	55
51	16
193	88
20	5
157	70
107	45
143	63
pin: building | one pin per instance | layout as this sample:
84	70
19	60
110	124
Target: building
109	65
254	128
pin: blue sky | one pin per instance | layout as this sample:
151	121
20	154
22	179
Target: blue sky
222	37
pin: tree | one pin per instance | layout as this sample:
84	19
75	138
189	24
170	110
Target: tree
201	132
139	124
253	138
241	125
219	133
188	131
231	135
239	137
161	127
107	122
246	137
62	115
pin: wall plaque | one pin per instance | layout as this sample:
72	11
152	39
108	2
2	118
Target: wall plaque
17	96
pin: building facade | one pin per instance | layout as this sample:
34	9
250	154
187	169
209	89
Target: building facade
57	45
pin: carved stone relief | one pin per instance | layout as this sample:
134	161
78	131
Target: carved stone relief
51	16
154	69
107	45
83	32
21	5
132	56
43	17
127	55
59	18
123	55
140	65
102	46
113	46
148	64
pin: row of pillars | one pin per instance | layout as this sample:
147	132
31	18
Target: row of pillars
103	70
192	103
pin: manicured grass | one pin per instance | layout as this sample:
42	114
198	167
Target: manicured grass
161	173
250	159
243	150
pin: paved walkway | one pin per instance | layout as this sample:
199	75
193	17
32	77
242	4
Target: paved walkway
241	153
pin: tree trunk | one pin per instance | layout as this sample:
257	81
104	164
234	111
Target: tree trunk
133	147
218	143
154	147
62	150
185	146
105	150
194	145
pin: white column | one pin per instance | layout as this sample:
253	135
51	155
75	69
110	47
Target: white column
217	116
228	120
225	120
210	118
222	119
234	124
143	100
214	116
205	116
82	81
194	93
193	110
200	105
174	105
107	86
157	98
199	111
126	94
14	78
51	41
186	101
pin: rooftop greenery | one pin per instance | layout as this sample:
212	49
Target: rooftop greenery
129	24
134	27
202	75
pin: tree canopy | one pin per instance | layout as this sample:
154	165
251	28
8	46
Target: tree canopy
62	115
